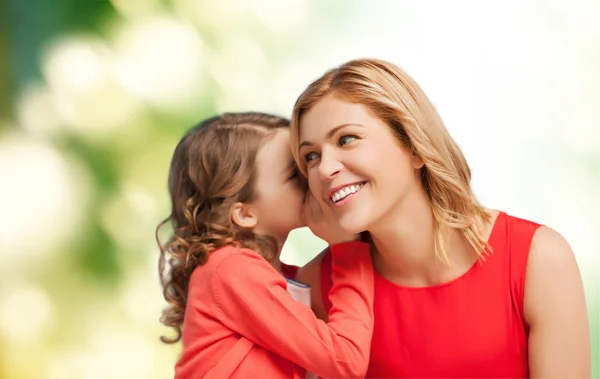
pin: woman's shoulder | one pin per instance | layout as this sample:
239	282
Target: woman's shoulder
311	271
544	249
515	228
550	248
520	222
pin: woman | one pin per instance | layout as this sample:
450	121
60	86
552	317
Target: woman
460	290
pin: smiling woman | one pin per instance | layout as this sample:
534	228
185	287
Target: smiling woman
460	290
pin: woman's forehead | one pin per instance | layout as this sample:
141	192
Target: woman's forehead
330	113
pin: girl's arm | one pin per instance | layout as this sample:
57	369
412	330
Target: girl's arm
252	299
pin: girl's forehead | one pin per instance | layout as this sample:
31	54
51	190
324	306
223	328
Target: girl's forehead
277	148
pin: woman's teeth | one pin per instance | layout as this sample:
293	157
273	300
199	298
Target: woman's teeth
345	191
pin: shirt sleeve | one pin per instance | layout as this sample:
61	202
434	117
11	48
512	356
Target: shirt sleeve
251	298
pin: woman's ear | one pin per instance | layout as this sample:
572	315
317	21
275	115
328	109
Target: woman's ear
242	216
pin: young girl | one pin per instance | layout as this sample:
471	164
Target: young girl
235	196
461	291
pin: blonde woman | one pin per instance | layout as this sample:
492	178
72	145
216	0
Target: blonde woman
461	291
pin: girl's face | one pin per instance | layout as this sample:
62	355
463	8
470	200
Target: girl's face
355	164
279	188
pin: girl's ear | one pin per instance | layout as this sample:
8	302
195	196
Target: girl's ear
242	216
417	161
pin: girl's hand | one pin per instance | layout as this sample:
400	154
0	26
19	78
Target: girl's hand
323	223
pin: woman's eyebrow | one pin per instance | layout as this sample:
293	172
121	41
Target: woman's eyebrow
329	134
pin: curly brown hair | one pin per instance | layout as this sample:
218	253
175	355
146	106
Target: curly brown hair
213	167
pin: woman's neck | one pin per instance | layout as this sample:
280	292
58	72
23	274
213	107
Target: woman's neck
405	245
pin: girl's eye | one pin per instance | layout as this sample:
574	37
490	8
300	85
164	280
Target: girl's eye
346	139
294	175
310	156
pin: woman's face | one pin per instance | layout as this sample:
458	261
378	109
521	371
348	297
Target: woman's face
355	164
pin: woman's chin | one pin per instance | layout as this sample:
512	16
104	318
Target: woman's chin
352	226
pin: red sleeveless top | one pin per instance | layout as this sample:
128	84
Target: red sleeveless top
470	327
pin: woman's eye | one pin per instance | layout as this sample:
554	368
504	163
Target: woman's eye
346	139
310	156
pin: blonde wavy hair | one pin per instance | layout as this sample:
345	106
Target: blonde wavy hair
397	100
213	167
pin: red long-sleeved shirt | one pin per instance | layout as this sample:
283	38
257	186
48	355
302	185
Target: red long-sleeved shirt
238	294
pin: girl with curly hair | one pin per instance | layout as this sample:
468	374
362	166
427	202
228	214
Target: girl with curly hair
235	195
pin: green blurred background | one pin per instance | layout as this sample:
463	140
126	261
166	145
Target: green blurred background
94	95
